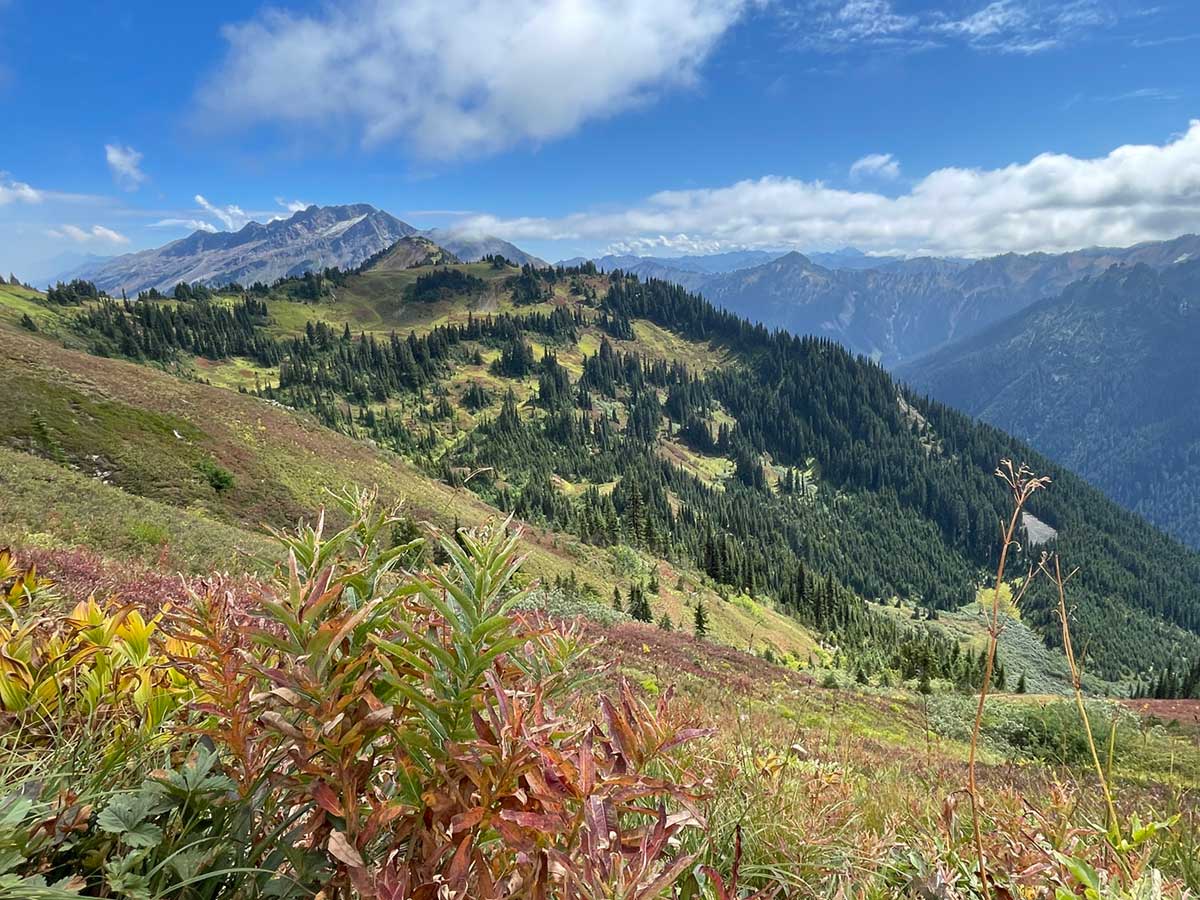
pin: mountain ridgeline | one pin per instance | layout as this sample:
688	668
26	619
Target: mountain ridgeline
310	240
1103	379
898	311
629	411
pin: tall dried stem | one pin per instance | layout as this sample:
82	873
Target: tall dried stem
1060	583
1022	484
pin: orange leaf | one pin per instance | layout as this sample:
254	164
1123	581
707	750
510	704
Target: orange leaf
326	798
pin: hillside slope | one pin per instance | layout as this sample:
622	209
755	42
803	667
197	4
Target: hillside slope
411	252
125	460
1103	380
471	247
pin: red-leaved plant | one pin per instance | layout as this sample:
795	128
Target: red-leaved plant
409	726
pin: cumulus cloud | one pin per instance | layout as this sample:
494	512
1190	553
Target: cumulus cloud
1053	202
291	206
231	216
460	77
875	165
17	192
1005	26
125	165
97	234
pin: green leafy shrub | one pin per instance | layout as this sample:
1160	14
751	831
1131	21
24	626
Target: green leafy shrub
1050	732
148	535
218	479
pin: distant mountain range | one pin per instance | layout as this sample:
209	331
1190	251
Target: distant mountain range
690	271
892	309
61	267
717	263
694	272
1103	378
900	310
312	239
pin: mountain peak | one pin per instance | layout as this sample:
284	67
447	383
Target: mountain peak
472	247
311	239
794	259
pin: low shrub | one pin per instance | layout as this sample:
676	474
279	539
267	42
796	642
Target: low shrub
218	478
1051	732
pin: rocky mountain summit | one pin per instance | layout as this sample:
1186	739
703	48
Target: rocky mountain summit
312	239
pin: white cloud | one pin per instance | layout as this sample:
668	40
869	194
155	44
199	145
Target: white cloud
1026	26
1151	93
125	165
459	77
672	245
232	216
875	165
835	25
995	18
17	192
1005	26
1053	202
292	206
191	224
96	234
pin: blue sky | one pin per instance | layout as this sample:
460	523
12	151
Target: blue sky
579	126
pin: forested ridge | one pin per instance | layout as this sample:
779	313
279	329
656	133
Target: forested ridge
840	485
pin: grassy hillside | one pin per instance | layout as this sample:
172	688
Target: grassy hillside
122	457
806	790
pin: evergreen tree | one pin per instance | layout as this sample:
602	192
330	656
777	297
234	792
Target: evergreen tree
700	620
639	605
1021	684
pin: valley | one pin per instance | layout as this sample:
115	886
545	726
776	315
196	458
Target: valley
1100	378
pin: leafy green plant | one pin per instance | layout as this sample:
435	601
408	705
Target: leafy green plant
101	665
